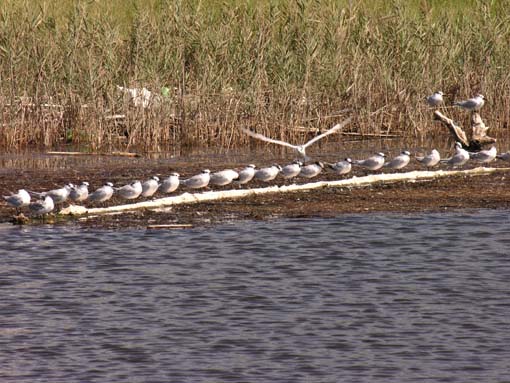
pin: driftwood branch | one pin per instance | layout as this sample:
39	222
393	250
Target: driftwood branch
479	131
479	136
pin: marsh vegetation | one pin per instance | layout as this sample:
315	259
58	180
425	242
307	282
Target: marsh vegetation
278	67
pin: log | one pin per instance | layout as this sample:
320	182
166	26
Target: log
190	198
479	136
121	154
455	130
479	131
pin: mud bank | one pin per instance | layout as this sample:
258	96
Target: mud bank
443	194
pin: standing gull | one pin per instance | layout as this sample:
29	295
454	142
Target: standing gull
460	157
42	207
170	184
372	163
472	104
79	193
223	177
246	174
150	187
291	170
130	191
104	193
268	174
484	156
400	161
58	195
198	181
312	170
341	167
431	159
18	200
435	99
300	149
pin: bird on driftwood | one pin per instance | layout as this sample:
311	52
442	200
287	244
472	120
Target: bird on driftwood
435	99
300	149
472	104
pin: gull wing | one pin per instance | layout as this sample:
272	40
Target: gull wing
328	132
264	138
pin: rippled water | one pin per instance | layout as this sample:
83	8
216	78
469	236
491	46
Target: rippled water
372	298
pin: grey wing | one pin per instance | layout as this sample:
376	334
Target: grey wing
267	139
328	132
14	199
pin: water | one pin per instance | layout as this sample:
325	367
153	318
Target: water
358	298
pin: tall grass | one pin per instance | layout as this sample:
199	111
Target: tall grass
266	65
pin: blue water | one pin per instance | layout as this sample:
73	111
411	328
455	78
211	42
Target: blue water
358	298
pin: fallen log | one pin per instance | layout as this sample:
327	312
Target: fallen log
189	198
114	154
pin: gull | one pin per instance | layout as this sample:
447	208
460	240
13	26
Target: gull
300	149
79	193
431	159
504	156
460	157
341	167
170	184
246	174
104	193
484	156
198	181
150	187
18	200
130	191
400	161
435	99
268	174
472	104
310	171
291	170
42	207
223	177
58	195
372	163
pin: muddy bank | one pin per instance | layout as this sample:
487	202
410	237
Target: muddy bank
445	194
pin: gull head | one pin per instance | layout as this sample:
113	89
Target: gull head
155	178
406	152
251	166
349	160
108	184
380	154
175	174
206	171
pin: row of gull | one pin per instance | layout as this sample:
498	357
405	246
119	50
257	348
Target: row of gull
80	193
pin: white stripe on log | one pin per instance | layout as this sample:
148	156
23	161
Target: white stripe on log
188	198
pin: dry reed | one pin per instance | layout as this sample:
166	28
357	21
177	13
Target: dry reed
270	66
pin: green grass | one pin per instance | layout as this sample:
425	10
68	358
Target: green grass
244	63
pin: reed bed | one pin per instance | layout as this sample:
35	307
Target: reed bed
272	66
